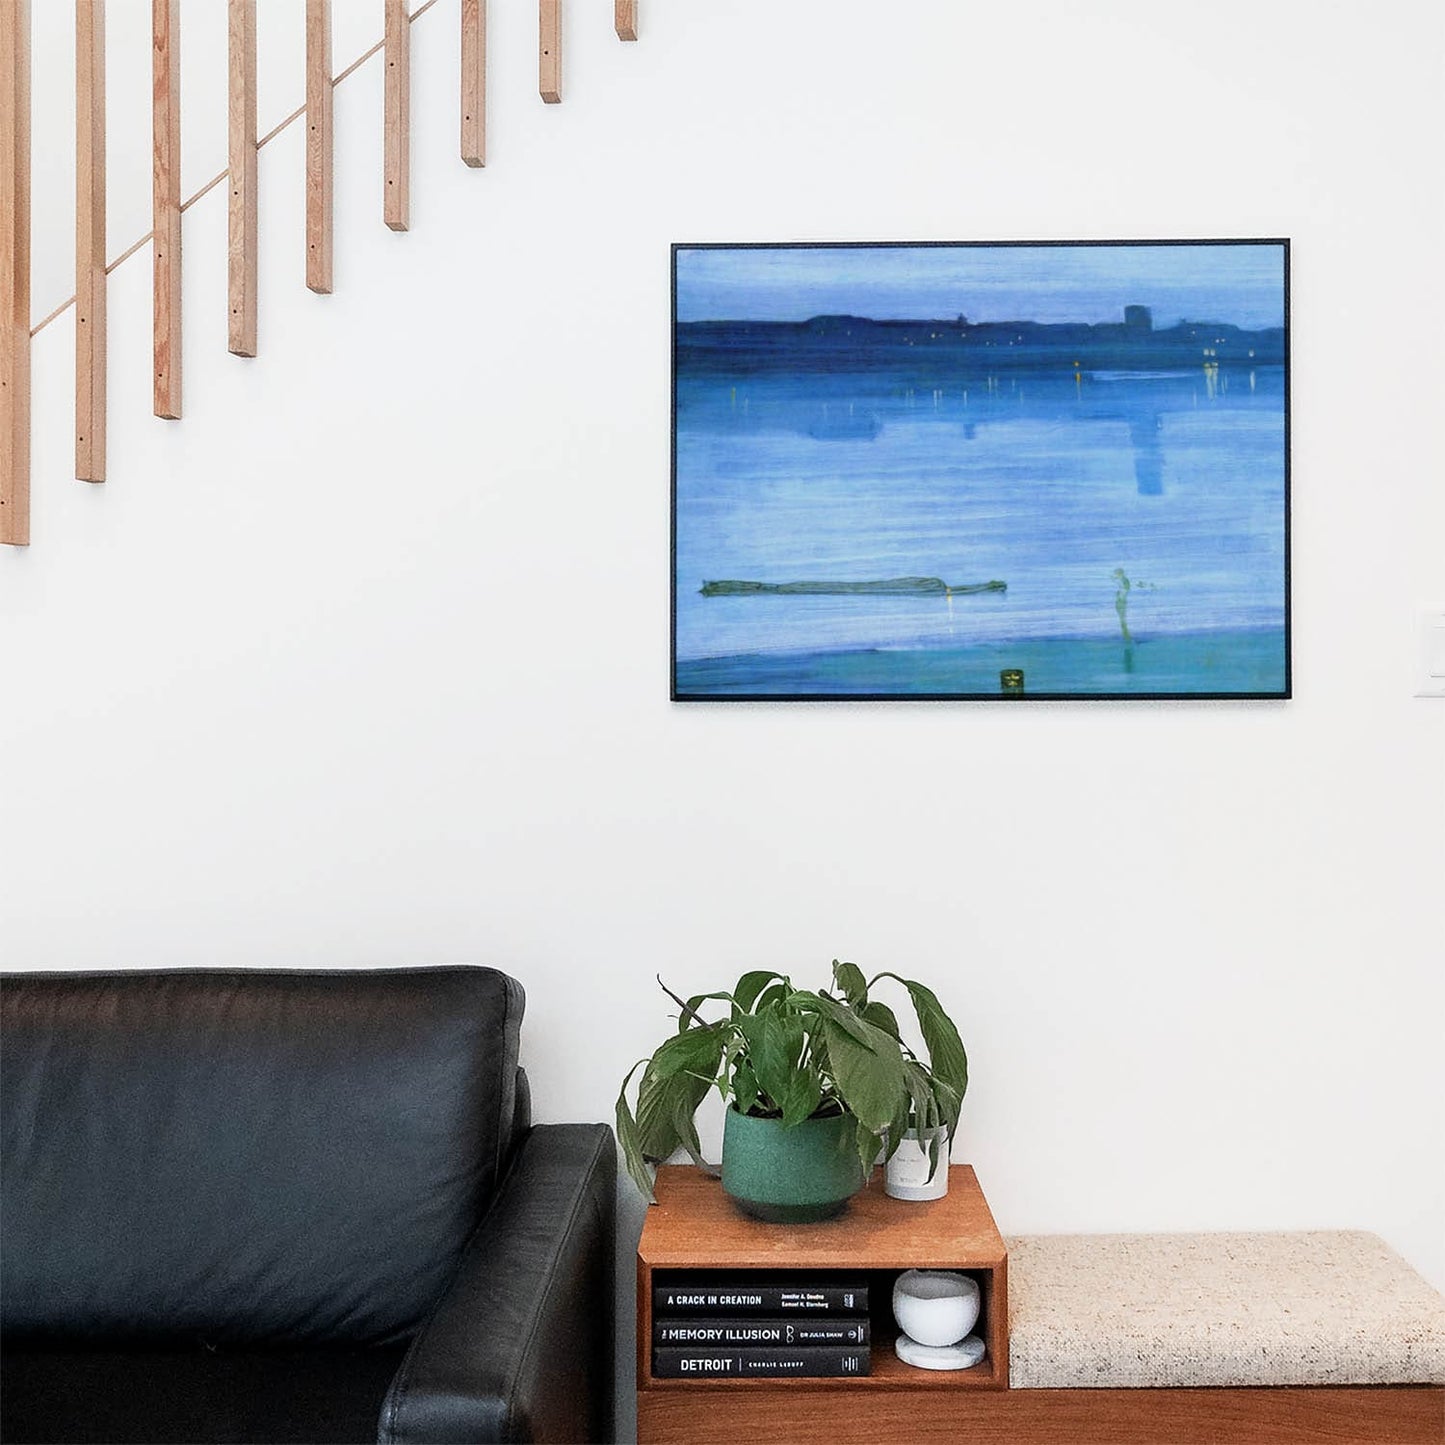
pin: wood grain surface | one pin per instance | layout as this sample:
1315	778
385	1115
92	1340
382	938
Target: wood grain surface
549	50
319	189
791	1411
15	272
90	289
474	82
166	204
695	1226
396	105
241	221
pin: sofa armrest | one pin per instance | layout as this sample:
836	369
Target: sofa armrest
520	1346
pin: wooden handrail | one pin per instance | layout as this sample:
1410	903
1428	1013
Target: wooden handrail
168	205
220	176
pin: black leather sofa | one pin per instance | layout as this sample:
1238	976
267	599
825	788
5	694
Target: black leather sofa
293	1206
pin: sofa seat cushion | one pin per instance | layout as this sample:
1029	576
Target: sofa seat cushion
1320	1308
320	1396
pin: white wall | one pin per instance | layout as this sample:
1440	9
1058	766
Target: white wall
365	661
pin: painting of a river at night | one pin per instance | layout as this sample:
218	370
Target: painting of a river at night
981	471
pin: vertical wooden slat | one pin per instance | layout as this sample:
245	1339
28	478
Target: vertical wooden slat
166	203
242	220
624	19
15	272
90	298
474	82
549	50
397	107
318	145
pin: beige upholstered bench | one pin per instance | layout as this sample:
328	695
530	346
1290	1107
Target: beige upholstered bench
1224	1338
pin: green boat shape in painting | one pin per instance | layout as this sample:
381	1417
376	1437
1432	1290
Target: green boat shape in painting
888	587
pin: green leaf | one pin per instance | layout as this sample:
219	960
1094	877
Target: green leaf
750	985
803	1095
690	1018
630	1138
775	1045
922	1106
840	1016
661	1097
657	1136
949	1104
745	1087
869	1075
931	1101
693	1051
774	993
867	1142
897	1126
945	1049
686	1129
659	1113
734	1048
819	1062
882	1017
935	1152
848	978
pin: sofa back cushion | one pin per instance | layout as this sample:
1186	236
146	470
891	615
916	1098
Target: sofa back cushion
246	1156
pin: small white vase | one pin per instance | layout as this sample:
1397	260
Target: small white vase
905	1176
935	1307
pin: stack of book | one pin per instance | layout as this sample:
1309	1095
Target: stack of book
801	1327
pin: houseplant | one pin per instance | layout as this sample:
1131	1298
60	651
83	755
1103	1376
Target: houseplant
817	1082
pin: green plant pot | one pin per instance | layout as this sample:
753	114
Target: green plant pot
791	1176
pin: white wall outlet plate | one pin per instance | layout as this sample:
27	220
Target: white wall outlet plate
1431	674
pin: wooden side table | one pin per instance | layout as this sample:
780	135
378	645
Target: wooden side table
695	1226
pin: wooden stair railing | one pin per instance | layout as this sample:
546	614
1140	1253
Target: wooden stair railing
242	220
396	127
90	297
166	204
317	109
243	147
15	272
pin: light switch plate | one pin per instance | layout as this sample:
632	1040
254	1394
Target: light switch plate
1431	674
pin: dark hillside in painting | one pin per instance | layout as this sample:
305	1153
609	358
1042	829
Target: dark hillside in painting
856	343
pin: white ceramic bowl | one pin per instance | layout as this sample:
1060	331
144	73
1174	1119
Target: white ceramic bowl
935	1306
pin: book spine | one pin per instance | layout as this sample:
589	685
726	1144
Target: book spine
744	1299
815	1361
823	1330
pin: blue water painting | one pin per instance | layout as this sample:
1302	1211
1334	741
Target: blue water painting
981	471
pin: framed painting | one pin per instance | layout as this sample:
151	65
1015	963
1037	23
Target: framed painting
981	470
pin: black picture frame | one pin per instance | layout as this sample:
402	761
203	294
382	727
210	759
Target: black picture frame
692	694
